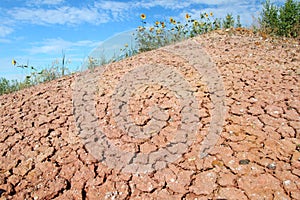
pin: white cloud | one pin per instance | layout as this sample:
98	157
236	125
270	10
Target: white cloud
63	15
118	10
113	5
181	4
5	30
106	11
56	45
246	9
44	2
117	6
5	40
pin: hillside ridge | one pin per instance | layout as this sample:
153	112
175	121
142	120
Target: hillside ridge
45	155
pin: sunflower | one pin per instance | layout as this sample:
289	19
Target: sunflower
141	28
206	15
91	59
196	23
172	21
156	23
13	62
163	24
143	16
211	14
158	31
187	16
151	29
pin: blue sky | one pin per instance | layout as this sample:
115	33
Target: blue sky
38	31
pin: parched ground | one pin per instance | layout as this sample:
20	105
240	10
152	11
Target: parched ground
43	156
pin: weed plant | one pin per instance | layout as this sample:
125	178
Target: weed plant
274	20
35	77
162	33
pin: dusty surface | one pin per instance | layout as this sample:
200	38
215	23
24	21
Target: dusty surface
44	156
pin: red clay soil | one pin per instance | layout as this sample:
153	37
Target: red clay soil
257	156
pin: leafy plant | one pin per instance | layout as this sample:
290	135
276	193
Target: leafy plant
238	22
35	77
162	33
289	19
228	22
127	52
281	21
269	17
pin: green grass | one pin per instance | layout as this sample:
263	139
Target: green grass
273	20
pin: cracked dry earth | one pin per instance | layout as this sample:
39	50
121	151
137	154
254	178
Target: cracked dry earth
47	152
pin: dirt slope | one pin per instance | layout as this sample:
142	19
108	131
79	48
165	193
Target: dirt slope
44	153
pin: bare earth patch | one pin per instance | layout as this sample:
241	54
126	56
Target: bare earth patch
256	157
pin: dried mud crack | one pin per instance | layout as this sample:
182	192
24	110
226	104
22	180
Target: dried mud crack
164	139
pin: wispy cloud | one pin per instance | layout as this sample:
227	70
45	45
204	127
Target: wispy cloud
56	45
5	40
98	12
118	10
115	6
44	2
62	15
165	4
5	30
246	9
177	4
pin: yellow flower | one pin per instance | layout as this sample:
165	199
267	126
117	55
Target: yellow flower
196	23
163	24
13	62
206	15
143	16
156	23
141	28
211	14
172	21
158	31
126	45
151	29
187	16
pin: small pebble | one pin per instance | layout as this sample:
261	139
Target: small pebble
287	182
244	162
1	192
271	166
298	147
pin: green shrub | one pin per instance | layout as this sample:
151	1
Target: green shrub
4	86
281	21
289	19
7	86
